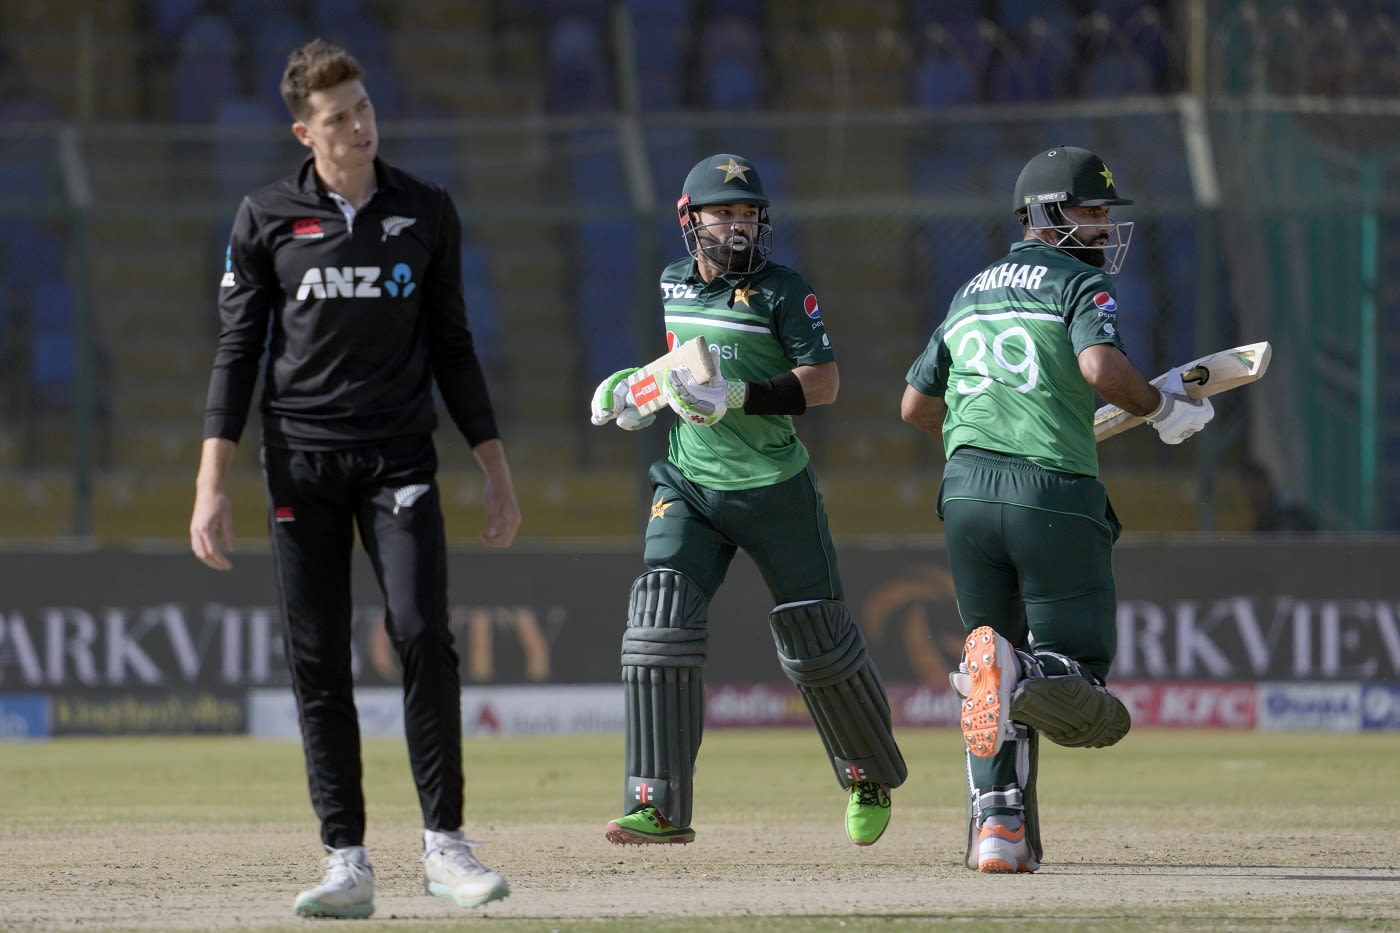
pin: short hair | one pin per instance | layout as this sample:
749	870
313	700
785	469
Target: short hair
315	66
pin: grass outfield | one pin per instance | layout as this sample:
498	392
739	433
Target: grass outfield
1171	830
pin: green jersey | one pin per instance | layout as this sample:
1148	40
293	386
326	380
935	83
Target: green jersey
762	325
1006	358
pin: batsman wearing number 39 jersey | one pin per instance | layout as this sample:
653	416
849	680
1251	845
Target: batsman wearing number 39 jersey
1009	379
736	476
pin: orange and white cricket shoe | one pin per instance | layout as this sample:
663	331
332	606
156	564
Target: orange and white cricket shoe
989	662
1002	848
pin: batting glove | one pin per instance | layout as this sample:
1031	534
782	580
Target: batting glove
612	400
1178	417
703	404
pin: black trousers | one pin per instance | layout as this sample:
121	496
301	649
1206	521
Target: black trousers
317	500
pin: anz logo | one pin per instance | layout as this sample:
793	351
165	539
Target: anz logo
355	282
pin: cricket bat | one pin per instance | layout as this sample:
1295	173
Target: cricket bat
1207	376
645	383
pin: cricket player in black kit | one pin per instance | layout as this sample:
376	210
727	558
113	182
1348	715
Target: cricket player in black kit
349	272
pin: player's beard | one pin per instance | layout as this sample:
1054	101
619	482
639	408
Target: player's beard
1093	255
725	252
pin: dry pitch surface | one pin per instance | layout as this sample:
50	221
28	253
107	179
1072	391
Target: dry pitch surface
1171	830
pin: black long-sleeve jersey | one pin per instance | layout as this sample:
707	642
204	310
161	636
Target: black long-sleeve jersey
357	320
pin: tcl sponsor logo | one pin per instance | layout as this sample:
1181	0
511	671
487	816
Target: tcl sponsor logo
1195	705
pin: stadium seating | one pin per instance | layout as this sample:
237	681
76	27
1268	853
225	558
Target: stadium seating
52	372
51	343
483	313
206	69
365	38
671	152
169	19
660	29
216	62
332	17
596	12
580	78
950	63
1049	59
247	156
751	10
248	16
274	38
731	66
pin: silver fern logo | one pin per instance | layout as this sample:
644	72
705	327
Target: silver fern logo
405	497
395	225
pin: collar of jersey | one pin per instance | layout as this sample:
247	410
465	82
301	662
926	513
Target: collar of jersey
718	283
309	182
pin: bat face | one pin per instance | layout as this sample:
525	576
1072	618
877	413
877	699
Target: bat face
1202	378
1227	369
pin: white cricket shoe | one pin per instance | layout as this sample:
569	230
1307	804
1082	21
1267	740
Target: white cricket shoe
1002	847
451	871
348	890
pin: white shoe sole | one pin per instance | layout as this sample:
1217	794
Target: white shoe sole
312	907
495	893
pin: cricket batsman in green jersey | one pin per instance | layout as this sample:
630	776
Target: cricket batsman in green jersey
736	476
1009	380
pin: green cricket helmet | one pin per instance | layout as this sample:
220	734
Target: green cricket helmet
1070	176
725	179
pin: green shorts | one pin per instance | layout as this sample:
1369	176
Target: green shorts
783	528
1031	553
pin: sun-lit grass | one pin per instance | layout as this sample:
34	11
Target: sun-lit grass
1166	798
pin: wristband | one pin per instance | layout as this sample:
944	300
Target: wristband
781	395
1163	408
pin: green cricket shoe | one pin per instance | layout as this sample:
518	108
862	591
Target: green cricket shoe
644	827
867	812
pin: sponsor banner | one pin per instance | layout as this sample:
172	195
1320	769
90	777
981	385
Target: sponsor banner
23	716
922	705
1199	705
1380	706
272	713
193	712
1190	611
1327	707
743	706
780	704
542	710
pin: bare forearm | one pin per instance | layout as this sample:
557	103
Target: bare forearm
491	457
820	383
925	412
214	459
1114	377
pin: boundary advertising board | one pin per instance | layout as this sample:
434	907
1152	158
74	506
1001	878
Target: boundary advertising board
1303	610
